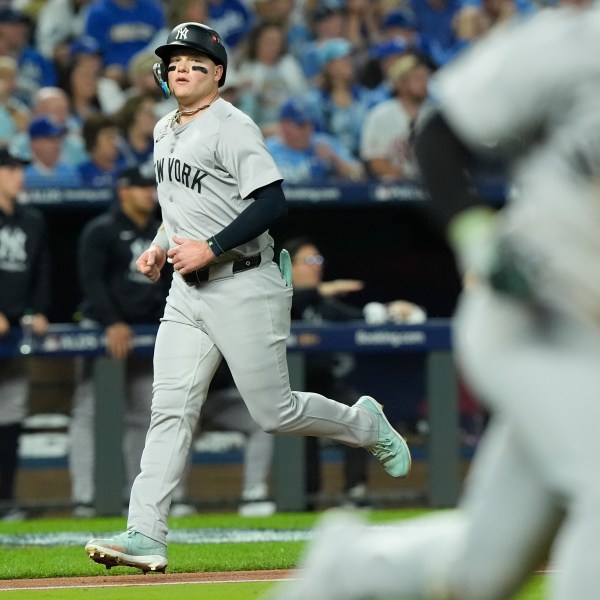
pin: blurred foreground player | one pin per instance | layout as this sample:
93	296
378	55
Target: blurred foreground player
527	332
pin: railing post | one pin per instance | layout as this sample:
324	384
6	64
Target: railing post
109	396
289	467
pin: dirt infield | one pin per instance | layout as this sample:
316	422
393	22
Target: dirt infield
141	579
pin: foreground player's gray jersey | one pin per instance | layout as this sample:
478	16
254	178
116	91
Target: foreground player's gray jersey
205	171
535	85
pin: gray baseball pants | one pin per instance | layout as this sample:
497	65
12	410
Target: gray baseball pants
246	319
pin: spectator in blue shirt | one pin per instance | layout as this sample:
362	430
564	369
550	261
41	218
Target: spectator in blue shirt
303	155
339	100
436	22
46	169
123	28
232	19
101	136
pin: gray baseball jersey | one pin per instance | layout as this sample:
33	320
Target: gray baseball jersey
205	169
204	186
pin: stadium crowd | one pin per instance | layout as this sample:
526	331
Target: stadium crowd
335	85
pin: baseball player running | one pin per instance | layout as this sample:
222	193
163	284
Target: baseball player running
220	191
527	334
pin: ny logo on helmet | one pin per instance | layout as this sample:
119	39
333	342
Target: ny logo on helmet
182	34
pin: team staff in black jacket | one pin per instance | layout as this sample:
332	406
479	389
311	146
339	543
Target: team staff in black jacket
115	296
24	292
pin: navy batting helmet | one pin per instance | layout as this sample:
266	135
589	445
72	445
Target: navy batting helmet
197	37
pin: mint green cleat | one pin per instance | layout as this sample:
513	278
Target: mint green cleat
129	549
391	450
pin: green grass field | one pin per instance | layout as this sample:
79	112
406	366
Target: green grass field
33	554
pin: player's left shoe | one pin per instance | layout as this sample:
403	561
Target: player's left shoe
391	449
129	549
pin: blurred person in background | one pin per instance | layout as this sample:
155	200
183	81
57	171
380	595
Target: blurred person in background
55	103
386	143
340	102
362	27
101	136
24	293
58	23
233	19
47	169
475	20
270	75
90	91
374	74
327	21
136	120
14	113
292	18
115	297
316	300
436	22
35	71
122	28
142	83
303	155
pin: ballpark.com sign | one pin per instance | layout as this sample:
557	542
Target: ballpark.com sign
394	339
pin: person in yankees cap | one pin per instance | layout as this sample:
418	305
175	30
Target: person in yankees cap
220	191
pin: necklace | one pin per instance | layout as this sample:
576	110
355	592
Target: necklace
189	111
186	112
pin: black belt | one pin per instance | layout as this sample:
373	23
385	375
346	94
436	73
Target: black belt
239	265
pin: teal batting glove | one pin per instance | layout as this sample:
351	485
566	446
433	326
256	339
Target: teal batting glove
285	266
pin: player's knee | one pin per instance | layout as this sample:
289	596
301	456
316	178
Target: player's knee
270	424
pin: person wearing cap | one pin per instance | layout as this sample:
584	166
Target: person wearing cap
115	296
304	155
386	143
24	298
47	169
340	101
55	103
374	73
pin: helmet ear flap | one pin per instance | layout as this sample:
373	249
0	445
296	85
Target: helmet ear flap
160	76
